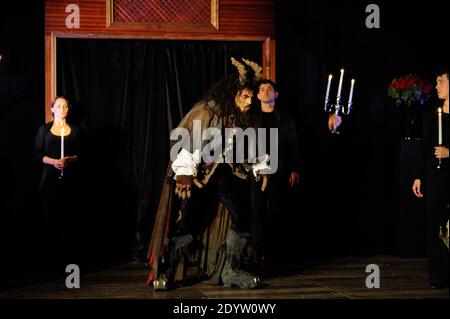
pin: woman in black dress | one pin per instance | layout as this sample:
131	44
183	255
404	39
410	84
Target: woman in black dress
57	148
432	173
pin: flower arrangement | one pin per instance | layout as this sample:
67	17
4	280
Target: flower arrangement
410	88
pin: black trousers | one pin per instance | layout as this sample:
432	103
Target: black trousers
266	217
436	194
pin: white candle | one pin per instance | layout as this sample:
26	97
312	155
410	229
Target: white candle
340	86
439	126
62	142
350	97
328	87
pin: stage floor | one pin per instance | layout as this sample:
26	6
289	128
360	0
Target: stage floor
342	278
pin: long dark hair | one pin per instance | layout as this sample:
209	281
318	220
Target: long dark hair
224	93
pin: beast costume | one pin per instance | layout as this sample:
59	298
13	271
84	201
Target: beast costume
207	235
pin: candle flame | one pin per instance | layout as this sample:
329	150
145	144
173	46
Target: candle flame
330	76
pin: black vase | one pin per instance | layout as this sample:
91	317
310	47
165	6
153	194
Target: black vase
409	120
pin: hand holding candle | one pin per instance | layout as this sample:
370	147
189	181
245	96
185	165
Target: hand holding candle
337	108
439	134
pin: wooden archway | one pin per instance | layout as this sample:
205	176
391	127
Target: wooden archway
228	20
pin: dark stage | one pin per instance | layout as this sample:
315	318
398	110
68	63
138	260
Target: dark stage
130	85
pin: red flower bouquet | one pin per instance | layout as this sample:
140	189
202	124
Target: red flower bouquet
410	88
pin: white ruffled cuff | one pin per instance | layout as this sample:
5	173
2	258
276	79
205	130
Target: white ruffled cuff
186	163
261	166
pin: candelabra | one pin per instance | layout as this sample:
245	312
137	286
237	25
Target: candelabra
338	107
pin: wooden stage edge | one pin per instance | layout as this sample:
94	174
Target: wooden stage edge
342	278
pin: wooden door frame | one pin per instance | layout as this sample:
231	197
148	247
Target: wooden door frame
267	52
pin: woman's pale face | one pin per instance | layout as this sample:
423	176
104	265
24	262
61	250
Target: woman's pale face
442	86
60	109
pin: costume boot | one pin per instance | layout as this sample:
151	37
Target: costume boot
232	274
172	262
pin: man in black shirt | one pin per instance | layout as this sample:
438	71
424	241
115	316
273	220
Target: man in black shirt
432	179
267	206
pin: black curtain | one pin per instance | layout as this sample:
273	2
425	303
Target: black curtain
126	96
21	113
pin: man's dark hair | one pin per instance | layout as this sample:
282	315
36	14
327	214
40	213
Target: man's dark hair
267	81
441	71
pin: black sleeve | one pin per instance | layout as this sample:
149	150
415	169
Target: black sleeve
39	144
424	147
293	147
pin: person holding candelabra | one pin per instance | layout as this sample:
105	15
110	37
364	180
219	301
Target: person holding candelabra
57	147
334	119
432	177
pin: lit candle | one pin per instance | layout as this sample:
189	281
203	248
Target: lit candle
62	142
328	88
340	87
439	126
350	97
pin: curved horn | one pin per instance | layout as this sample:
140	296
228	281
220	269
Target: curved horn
241	69
256	68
